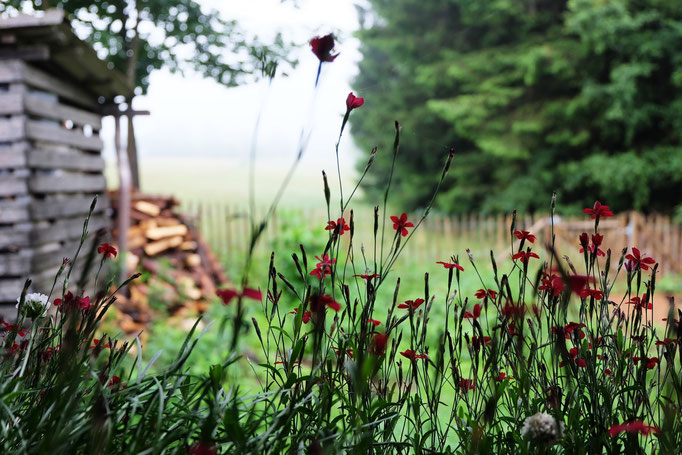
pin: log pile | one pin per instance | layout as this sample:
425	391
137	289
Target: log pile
180	274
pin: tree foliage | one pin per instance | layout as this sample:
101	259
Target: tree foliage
581	96
139	36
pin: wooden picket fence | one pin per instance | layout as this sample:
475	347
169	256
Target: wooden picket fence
227	229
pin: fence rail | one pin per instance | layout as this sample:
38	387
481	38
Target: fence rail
227	229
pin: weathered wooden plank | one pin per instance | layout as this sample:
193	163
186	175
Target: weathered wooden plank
11	71
66	183
34	53
10	290
44	81
49	258
49	17
53	207
47	108
12	129
12	186
51	158
15	236
49	132
15	264
11	104
13	155
13	211
66	229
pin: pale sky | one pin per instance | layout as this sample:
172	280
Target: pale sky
197	118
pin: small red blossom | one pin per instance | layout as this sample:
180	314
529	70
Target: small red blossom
203	448
512	311
451	265
412	355
593	248
414	304
226	295
524	256
607	372
107	250
353	102
98	344
638	260
340	224
466	385
651	362
115	380
401	224
666	342
503	376
598	210
306	315
553	284
641	303
73	302
337	351
484	294
477	342
368	276
524	235
596	293
324	267
475	314
374	321
633	427
379	343
322	47
319	302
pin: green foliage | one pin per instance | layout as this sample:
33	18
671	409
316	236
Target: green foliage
140	37
583	97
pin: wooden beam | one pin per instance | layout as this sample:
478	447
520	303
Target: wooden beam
12	129
36	53
40	106
67	183
13	155
47	158
48	132
59	206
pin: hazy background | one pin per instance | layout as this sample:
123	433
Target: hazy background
196	142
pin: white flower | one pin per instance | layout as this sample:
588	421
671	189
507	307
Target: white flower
35	304
542	428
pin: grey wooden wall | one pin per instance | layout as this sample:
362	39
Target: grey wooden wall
50	169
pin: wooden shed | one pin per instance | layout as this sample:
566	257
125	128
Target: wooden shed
53	92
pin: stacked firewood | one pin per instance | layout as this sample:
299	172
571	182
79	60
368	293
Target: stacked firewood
180	274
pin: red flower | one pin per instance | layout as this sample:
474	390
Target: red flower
596	293
341	223
524	256
641	303
306	315
324	267
353	102
107	250
594	247
319	302
73	302
578	282
607	372
512	311
476	342
524	235
379	343
401	224
414	304
322	47
466	385
202	448
475	314
598	210
97	344
227	295
553	284
374	321
503	376
451	265
651	362
337	351
639	260
666	342
412	355
633	427
368	276
115	380
483	294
